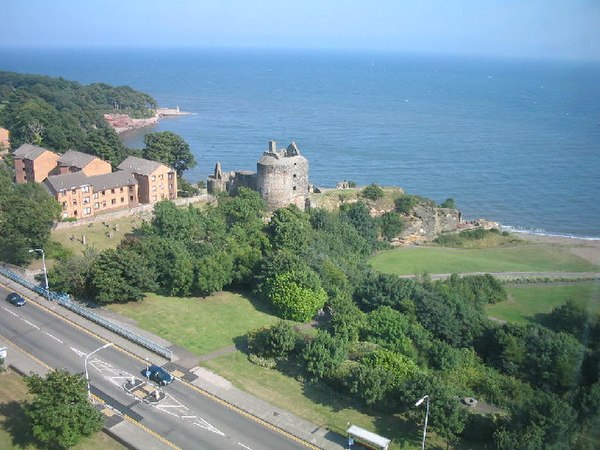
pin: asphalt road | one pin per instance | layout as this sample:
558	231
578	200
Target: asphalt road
183	416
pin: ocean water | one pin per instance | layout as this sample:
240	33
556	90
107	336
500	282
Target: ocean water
516	141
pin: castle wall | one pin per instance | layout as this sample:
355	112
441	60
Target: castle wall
282	180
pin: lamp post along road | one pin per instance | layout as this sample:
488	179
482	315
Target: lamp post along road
87	376
421	400
45	271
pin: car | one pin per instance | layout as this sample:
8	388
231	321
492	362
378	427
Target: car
159	375
15	299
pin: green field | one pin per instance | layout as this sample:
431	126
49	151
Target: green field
525	302
15	436
531	258
200	325
321	406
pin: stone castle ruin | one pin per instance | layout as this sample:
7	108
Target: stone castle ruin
281	178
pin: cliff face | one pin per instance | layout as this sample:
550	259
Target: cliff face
425	222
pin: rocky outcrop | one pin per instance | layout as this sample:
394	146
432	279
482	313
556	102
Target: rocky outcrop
122	122
425	222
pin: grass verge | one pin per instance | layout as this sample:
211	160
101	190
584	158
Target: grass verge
198	324
531	258
527	303
14	432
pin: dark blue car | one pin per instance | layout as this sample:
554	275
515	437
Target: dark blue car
159	375
15	299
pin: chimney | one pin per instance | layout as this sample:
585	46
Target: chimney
272	146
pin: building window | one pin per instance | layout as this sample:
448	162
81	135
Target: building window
153	178
86	199
64	205
154	187
160	177
112	191
96	205
294	188
104	204
113	201
121	189
294	175
131	188
170	186
122	199
162	196
162	187
73	191
131	198
154	197
85	189
95	195
74	202
170	176
87	210
103	192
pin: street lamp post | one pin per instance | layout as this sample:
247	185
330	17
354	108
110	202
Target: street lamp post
44	264
421	400
87	376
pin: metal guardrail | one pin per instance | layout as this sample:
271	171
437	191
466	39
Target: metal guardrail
65	300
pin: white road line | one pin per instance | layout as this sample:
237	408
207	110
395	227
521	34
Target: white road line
245	446
29	323
53	337
78	352
11	312
189	417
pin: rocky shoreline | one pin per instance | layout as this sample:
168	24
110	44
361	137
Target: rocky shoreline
123	122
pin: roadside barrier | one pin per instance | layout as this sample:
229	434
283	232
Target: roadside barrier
65	300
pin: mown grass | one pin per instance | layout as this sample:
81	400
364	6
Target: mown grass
198	324
527	303
530	258
14	431
320	405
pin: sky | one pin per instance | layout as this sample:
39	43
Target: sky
558	29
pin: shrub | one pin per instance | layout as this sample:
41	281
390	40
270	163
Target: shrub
372	192
405	203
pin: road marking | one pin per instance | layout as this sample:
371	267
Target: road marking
31	324
78	352
53	337
245	446
9	311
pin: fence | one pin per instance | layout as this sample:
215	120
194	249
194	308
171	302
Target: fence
65	300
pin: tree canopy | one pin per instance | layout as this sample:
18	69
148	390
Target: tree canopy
170	149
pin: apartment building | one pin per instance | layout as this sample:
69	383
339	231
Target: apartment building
74	161
81	196
156	181
33	164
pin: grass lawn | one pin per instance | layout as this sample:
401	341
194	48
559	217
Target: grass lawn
525	302
530	258
319	405
200	325
15	436
96	234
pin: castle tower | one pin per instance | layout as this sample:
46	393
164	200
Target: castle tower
282	177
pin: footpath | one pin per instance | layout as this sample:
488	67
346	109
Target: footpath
184	366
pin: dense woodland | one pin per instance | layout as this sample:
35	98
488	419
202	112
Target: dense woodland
383	340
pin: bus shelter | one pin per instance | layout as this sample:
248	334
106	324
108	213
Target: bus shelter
366	439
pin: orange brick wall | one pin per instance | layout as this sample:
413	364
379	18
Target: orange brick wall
37	170
97	167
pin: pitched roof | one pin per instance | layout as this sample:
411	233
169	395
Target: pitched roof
139	165
57	183
29	151
112	180
77	159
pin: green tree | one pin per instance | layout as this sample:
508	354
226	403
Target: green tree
323	354
290	229
372	192
120	276
59	412
391	225
358	215
276	341
295	295
405	203
170	149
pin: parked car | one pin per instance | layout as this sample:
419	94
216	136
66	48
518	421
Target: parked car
159	375
15	299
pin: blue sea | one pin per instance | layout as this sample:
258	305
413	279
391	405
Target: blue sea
516	141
